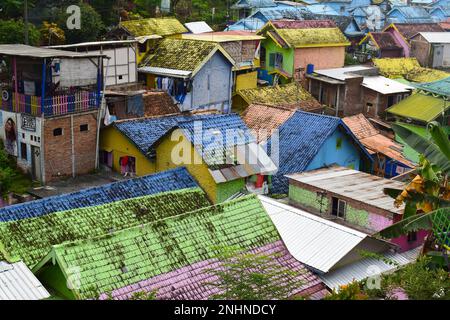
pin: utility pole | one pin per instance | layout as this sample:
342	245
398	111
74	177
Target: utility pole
25	17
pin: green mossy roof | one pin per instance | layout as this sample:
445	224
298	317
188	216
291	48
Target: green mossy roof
420	107
408	68
316	37
31	239
154	26
165	245
289	94
179	54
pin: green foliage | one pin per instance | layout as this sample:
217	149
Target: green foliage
91	25
142	295
12	31
418	280
247	276
351	291
350	60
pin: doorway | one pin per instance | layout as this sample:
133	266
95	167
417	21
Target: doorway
36	163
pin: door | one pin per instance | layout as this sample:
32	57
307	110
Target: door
36	163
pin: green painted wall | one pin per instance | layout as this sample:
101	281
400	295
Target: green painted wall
227	189
288	56
357	217
308	198
52	277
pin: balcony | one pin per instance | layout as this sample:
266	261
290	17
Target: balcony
61	104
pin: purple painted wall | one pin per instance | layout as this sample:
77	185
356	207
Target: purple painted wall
400	41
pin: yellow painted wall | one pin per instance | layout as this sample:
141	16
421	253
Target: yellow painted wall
112	139
246	80
180	152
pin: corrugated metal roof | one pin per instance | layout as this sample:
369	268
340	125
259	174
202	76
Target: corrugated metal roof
343	73
367	267
35	52
352	184
436	37
92	43
166	72
198	27
312	240
385	85
17	282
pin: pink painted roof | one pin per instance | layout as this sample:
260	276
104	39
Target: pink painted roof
187	283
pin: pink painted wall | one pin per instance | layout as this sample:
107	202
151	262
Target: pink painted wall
378	222
321	58
400	41
406	245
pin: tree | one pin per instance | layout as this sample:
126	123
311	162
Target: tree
91	25
12	31
427	196
249	276
51	34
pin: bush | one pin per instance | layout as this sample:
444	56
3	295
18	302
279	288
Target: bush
12	31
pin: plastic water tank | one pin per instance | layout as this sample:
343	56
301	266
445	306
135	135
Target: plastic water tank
309	68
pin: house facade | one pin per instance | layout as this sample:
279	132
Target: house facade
291	46
201	143
356	89
432	49
50	110
341	194
197	74
381	45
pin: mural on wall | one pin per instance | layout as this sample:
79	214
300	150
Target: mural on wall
10	135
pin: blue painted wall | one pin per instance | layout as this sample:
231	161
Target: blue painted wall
212	85
347	155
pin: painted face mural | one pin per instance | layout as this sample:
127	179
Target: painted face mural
10	137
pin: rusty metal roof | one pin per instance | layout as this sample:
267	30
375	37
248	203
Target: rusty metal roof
373	140
351	184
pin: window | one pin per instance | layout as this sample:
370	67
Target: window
276	60
338	143
412	236
57	132
142	47
84	127
338	208
369	106
23	151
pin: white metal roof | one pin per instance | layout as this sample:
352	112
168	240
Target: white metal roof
312	240
342	73
166	72
198	27
352	184
93	43
17	282
368	267
35	52
436	37
384	85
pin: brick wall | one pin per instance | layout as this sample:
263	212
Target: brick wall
58	149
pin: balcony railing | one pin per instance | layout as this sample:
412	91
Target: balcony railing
79	101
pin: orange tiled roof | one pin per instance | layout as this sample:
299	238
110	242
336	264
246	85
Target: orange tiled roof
263	119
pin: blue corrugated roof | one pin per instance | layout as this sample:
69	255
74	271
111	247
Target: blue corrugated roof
253	4
175	179
410	14
144	133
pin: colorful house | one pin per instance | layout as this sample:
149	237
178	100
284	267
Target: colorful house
388	159
30	240
244	8
290	46
291	95
307	141
50	109
381	45
218	150
402	32
244	48
171	257
197	74
351	198
440	14
165	181
147	32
